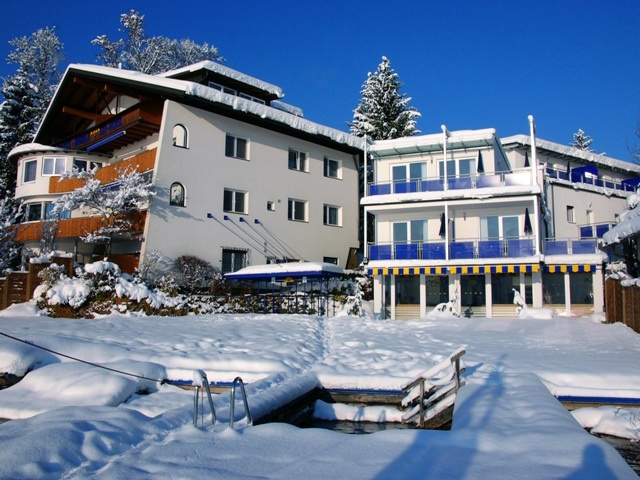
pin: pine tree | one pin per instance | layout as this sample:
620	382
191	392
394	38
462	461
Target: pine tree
582	141
27	95
383	113
152	55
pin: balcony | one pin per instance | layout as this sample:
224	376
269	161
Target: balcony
552	246
119	130
589	176
457	250
504	179
75	227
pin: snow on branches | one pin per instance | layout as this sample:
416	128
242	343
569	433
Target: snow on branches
113	202
383	113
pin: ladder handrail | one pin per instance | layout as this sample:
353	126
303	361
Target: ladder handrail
199	377
233	402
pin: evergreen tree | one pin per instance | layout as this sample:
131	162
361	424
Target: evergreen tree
383	112
582	141
27	95
152	55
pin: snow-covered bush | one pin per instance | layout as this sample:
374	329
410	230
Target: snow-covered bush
192	273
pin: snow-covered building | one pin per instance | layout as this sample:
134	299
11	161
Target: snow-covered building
240	177
464	216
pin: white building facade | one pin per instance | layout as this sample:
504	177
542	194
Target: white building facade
240	177
463	216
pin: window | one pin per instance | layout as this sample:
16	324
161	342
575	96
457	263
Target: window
81	165
297	160
464	167
271	206
297	210
333	260
236	147
29	172
176	195
233	259
570	214
234	201
412	172
414	231
331	168
53	166
332	215
219	87
180	136
34	212
495	227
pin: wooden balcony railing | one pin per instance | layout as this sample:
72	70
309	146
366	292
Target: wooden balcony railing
143	162
75	227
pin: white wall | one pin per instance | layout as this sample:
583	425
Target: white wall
205	172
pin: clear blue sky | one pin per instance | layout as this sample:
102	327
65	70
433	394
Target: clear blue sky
466	64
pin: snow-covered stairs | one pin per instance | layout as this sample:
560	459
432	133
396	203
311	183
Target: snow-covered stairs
430	396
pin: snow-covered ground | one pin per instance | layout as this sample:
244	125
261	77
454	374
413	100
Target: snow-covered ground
74	420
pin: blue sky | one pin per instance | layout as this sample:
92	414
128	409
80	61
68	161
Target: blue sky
466	64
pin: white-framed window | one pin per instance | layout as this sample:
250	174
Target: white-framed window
297	210
219	87
177	195
85	165
234	201
332	168
35	212
271	206
571	217
234	259
236	147
297	160
331	215
180	136
463	167
53	166
29	169
412	231
494	227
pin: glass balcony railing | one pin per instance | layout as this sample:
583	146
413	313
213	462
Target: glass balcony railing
554	246
456	250
591	179
453	183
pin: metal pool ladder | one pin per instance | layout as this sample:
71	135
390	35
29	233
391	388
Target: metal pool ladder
232	403
201	381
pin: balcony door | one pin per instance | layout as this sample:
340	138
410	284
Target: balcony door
495	227
406	178
408	238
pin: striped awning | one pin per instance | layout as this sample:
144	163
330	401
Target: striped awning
569	268
464	270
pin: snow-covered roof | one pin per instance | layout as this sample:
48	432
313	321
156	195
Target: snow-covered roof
227	72
213	96
434	142
33	148
284	270
567	150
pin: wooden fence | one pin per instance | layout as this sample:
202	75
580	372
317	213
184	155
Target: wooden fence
623	304
18	287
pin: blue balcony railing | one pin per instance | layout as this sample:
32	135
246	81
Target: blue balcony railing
552	246
458	250
453	183
570	176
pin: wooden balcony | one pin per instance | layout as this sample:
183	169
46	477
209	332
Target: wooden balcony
75	227
117	131
141	163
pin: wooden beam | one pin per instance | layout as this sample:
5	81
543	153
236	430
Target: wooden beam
96	117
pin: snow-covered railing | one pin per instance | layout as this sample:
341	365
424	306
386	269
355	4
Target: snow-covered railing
433	391
460	182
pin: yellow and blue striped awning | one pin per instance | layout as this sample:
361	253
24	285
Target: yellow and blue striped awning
463	270
569	268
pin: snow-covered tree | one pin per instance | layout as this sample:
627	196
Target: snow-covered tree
9	215
152	55
383	112
27	95
113	203
582	141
